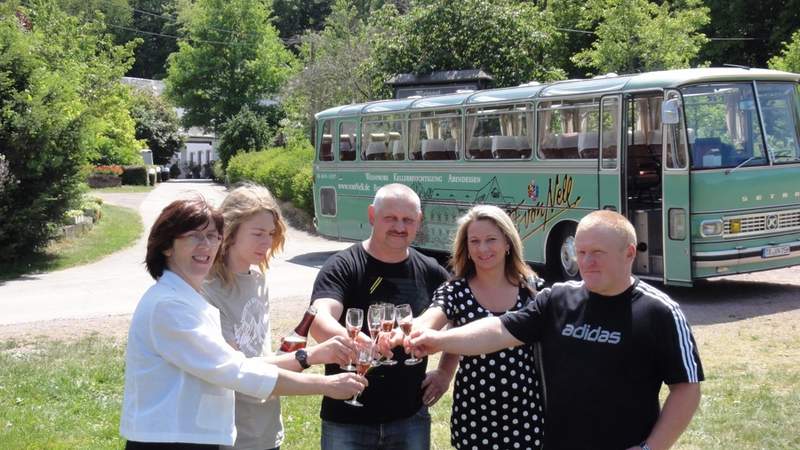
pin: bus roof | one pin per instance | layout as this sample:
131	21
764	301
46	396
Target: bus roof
600	85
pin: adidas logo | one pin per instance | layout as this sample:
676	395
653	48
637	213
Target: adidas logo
587	333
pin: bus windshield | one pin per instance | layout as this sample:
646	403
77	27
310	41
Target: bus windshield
780	108
723	126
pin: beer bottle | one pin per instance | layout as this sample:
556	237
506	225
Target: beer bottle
297	339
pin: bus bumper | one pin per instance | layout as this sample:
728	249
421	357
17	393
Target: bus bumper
742	260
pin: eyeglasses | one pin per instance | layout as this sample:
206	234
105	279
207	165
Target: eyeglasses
198	238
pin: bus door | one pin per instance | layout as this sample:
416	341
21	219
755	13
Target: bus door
609	187
642	190
677	243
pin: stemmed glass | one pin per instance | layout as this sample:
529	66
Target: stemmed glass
374	318
363	364
387	324
404	318
354	321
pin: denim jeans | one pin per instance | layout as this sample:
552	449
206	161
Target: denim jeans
413	433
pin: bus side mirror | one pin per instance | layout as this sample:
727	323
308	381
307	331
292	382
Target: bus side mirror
670	112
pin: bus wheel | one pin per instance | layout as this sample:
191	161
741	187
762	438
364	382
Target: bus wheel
563	257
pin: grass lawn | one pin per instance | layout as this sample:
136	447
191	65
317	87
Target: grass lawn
118	228
126	188
59	396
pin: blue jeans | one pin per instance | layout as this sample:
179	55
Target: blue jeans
413	433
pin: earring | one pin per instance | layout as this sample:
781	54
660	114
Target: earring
508	252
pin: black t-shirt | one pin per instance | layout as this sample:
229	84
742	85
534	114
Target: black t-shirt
605	359
358	280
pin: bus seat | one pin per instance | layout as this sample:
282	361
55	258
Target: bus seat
325	153
376	151
451	148
433	149
706	153
480	147
568	146
505	147
398	152
587	145
524	146
347	151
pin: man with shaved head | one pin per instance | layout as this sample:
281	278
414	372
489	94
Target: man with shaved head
609	342
382	269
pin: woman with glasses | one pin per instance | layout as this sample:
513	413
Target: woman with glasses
180	374
254	232
497	399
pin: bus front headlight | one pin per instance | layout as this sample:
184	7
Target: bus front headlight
711	228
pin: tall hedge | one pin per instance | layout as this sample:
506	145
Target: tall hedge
54	72
284	171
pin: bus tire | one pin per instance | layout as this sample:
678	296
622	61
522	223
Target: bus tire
562	259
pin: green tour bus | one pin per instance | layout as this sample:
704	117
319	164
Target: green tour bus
704	162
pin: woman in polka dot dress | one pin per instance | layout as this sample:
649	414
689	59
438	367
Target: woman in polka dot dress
497	399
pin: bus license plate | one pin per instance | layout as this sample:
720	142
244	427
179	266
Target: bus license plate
771	252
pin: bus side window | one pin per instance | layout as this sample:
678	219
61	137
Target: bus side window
326	142
347	141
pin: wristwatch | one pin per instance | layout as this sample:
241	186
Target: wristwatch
644	446
302	357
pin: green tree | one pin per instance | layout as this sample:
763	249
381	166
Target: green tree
510	40
639	35
567	17
157	124
56	73
333	63
752	32
154	18
293	18
789	58
231	57
245	132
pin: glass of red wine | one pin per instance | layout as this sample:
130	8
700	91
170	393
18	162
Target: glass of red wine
363	364
404	320
353	321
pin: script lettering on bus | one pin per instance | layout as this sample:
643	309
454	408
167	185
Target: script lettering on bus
558	200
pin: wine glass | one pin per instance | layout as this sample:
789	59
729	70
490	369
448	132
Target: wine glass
374	318
387	324
404	318
354	321
363	364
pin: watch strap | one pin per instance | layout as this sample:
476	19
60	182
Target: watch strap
302	357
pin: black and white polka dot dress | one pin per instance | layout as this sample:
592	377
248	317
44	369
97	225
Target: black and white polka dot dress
497	400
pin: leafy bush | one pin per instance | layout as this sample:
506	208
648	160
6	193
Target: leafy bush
217	172
284	171
135	175
246	131
157	124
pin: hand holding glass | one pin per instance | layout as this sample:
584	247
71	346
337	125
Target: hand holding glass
354	320
404	320
363	364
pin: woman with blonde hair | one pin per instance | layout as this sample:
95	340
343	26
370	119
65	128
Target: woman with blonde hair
254	233
497	399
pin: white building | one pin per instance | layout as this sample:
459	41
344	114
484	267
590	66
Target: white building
201	145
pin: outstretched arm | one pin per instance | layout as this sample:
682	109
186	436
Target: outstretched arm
482	336
679	408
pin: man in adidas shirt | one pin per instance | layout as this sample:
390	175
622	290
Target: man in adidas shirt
609	342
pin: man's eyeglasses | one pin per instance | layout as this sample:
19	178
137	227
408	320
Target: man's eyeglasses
198	238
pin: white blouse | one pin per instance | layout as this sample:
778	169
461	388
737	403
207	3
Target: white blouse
180	374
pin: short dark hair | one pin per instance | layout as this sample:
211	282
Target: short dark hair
179	217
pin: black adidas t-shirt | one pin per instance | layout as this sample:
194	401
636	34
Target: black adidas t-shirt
605	359
358	280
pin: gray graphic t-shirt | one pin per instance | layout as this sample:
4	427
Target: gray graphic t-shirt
244	315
